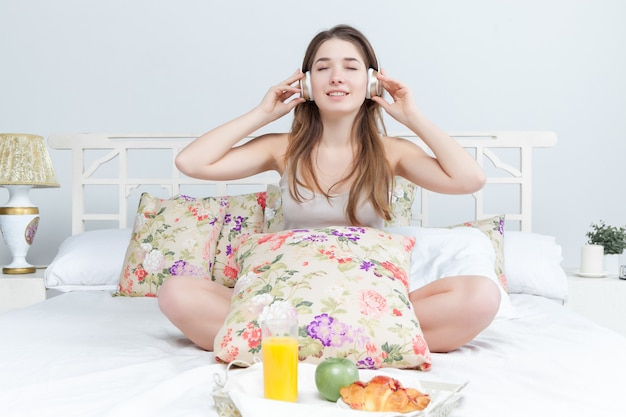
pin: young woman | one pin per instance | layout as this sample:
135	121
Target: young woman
337	169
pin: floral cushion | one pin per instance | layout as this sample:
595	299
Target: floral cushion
273	216
243	214
173	236
493	227
349	286
401	202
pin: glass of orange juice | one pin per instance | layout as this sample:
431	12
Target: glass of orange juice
280	358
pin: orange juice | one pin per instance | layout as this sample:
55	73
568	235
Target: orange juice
280	368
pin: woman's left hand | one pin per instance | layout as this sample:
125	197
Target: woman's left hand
403	106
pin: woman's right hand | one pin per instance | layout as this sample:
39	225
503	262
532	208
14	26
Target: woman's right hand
279	100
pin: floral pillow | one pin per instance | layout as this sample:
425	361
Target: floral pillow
493	227
349	286
243	214
273	216
170	237
401	202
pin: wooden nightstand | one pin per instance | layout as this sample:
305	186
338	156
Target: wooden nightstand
21	290
603	300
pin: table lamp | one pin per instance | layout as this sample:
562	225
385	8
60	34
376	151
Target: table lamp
24	164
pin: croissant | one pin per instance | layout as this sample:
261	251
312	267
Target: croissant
383	393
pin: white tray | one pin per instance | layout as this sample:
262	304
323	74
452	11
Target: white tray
445	397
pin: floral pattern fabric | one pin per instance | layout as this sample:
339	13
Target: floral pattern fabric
273	216
401	203
243	214
349	286
493	227
170	237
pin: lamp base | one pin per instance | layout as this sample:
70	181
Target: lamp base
11	271
19	220
19	232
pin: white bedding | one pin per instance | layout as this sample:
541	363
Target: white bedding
90	354
86	353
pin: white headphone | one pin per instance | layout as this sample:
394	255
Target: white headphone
374	87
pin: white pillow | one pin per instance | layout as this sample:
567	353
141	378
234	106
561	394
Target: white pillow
532	264
89	261
440	253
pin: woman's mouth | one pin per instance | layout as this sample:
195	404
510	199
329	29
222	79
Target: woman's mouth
337	93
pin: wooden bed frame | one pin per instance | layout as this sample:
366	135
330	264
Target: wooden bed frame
111	171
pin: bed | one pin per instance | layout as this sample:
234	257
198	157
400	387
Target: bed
85	352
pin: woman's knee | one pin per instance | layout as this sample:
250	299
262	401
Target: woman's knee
483	297
180	297
173	295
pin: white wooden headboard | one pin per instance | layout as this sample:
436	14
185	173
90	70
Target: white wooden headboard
109	172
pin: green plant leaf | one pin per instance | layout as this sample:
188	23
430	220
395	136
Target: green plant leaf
611	237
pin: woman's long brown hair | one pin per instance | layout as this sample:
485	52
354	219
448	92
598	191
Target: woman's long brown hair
372	175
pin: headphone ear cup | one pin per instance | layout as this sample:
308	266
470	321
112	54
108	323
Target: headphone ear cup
374	87
305	87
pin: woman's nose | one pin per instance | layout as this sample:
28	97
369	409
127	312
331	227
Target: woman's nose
336	78
336	75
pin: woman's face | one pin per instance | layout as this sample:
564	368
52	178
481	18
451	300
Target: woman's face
338	77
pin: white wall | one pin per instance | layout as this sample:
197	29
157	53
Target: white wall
187	65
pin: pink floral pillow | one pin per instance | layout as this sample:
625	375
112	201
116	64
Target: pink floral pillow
349	287
243	214
175	236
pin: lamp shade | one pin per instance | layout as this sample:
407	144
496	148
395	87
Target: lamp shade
24	160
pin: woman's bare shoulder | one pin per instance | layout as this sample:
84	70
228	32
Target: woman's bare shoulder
398	141
397	148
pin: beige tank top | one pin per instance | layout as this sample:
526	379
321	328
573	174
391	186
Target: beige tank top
317	211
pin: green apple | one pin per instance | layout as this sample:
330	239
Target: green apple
332	374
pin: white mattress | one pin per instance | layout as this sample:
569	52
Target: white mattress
90	354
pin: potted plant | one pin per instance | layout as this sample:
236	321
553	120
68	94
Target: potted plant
614	241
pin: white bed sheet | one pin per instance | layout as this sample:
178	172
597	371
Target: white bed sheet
91	354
